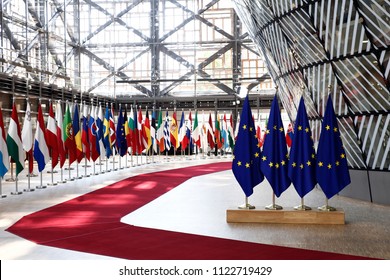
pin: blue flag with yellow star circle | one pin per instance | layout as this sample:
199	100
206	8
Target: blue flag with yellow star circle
302	162
246	162
274	161
332	166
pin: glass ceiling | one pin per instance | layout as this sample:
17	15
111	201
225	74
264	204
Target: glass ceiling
120	49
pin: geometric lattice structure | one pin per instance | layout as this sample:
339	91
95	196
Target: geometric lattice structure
337	47
121	49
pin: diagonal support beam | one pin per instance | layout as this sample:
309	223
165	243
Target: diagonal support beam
216	83
119	73
169	88
111	69
31	43
113	19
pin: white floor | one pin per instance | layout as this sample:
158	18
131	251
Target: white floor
197	206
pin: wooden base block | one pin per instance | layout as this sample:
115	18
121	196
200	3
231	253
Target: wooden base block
286	216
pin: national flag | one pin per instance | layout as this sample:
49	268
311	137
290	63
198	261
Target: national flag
41	151
224	133
99	130
133	131
302	162
217	132
14	141
274	161
289	135
196	133
4	157
27	135
112	129
93	136
77	133
237	127
246	161
146	137
189	130
167	136
258	132
68	136
127	129
160	132
120	135
27	138
174	136
153	131
86	144
183	132
140	144
59	134
51	137
332	166
210	133
106	133
203	134
231	137
259	136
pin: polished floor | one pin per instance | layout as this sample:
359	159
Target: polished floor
197	206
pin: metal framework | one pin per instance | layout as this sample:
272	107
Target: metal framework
126	50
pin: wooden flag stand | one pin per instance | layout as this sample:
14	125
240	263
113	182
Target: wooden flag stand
286	216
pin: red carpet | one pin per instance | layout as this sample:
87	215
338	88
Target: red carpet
91	223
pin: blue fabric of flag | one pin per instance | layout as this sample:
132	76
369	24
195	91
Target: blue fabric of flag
41	151
120	135
274	161
302	162
247	154
167	140
106	133
332	166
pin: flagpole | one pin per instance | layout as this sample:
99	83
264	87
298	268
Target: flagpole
107	165
62	176
326	207
273	206
16	192
52	177
302	207
41	186
1	189
113	158
246	205
29	189
12	179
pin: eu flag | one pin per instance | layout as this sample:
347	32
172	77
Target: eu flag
302	162
120	135
247	154
274	161
106	133
332	167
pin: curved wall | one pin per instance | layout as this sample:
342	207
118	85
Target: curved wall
337	47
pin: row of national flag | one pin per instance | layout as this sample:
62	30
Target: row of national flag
303	166
92	133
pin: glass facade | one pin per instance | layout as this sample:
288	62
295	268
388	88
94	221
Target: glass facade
337	47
